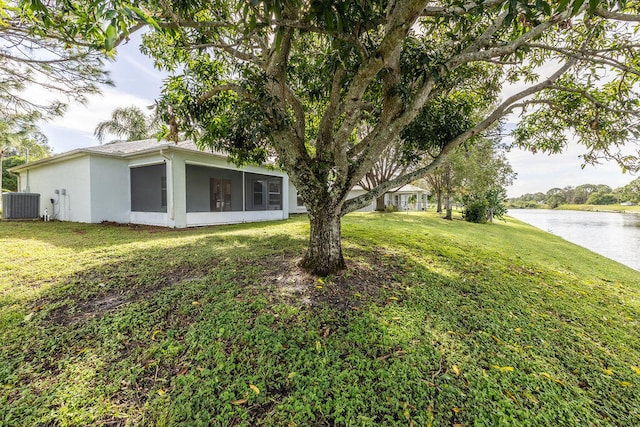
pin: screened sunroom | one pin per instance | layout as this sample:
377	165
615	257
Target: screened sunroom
219	195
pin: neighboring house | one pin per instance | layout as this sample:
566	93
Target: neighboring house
167	184
405	198
155	183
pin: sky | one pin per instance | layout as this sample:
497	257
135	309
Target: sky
138	83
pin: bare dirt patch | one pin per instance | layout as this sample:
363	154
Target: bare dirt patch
99	302
364	280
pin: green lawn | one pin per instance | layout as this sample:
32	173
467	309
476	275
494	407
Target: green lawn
434	323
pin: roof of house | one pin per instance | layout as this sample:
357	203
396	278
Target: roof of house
119	149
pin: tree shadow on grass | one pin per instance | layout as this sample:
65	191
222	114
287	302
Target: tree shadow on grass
82	236
91	293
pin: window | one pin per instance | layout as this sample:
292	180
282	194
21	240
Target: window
258	194
275	196
263	192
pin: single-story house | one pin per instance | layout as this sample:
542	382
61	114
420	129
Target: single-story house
405	198
155	183
166	184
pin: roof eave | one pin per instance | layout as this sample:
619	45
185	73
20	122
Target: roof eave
53	159
87	152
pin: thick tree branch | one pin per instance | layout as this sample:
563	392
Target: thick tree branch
507	48
451	11
222	88
500	111
325	130
298	112
290	147
399	23
617	16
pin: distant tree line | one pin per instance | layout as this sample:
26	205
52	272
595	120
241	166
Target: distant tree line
586	194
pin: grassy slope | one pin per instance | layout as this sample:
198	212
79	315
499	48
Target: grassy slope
435	323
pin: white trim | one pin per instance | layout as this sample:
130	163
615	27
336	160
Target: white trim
214	165
258	170
150	218
148	163
244	192
195	219
168	161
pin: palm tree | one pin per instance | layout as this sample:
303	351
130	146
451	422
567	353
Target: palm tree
130	123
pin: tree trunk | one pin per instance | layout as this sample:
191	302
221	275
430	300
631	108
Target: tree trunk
380	203
449	203
324	254
439	195
1	172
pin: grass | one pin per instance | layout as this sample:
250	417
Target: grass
434	323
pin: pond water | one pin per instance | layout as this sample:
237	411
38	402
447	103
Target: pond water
614	235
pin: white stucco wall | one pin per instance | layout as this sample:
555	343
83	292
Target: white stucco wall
150	218
71	177
355	193
110	189
293	200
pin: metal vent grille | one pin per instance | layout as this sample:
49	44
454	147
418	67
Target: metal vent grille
20	205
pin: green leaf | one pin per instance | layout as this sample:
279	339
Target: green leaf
562	6
544	7
576	6
111	35
593	4
145	17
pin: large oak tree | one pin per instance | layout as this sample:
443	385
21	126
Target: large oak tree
326	86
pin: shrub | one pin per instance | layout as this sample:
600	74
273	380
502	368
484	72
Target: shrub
476	210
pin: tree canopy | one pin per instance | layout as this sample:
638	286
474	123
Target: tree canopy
326	86
46	55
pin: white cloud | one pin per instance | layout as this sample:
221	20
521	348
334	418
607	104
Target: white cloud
75	128
541	172
85	118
